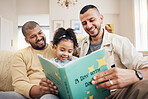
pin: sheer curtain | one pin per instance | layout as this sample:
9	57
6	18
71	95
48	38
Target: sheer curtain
140	13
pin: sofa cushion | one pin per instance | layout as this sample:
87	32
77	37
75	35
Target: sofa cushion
5	73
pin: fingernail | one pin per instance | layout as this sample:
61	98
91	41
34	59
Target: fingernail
97	87
52	83
93	82
94	77
55	87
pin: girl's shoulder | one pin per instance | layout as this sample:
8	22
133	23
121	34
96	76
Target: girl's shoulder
74	57
53	59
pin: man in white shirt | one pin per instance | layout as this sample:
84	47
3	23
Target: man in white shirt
130	71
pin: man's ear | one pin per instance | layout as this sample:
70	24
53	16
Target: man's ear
101	18
27	40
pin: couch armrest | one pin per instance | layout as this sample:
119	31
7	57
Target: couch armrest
5	72
145	53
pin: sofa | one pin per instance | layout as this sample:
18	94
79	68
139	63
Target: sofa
5	73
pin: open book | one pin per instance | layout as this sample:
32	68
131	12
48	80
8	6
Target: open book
74	79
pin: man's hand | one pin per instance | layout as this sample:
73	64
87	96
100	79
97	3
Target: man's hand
48	87
115	78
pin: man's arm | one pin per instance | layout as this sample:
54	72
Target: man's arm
144	72
20	78
21	81
35	91
120	77
46	87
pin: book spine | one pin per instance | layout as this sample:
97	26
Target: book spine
65	83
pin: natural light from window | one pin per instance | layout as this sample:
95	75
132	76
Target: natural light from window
141	20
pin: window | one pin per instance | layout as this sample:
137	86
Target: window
141	20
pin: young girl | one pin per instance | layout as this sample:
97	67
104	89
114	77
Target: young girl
64	43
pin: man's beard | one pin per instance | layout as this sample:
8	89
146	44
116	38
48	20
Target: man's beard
97	33
37	47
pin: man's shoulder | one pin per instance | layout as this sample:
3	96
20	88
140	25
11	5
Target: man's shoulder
116	40
23	54
116	37
24	51
113	35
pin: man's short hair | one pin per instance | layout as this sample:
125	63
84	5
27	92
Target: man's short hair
28	25
87	7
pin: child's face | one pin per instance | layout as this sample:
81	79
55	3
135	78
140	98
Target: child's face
64	49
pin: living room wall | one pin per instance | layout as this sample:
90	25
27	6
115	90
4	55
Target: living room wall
109	8
8	12
127	19
117	12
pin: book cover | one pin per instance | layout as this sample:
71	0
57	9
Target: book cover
74	79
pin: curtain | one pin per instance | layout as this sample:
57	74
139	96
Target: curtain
140	14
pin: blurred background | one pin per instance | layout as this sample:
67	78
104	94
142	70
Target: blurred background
127	18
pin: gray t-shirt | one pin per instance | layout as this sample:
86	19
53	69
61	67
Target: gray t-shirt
94	46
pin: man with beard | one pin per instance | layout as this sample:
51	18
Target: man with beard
130	72
27	74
